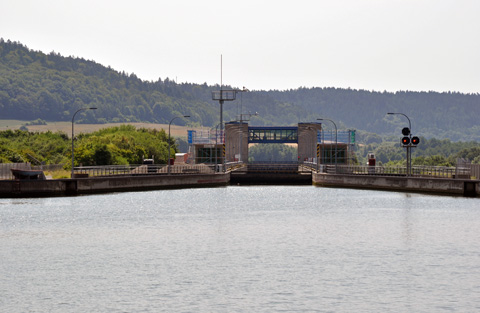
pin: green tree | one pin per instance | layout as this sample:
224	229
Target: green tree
272	153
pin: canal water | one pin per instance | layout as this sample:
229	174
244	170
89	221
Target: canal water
241	249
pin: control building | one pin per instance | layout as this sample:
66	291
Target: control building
314	144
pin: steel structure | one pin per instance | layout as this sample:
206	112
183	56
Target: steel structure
270	134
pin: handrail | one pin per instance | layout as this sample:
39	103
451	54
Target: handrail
142	169
417	171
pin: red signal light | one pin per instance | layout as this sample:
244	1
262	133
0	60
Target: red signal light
405	141
415	140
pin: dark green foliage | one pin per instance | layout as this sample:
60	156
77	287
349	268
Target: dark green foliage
34	85
122	145
127	145
429	152
90	153
272	153
116	145
24	146
433	115
434	160
50	87
472	154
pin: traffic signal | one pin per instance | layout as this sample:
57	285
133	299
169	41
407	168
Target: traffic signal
406	131
405	141
415	140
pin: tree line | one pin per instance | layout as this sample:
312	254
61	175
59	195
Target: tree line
125	144
432	152
51	87
120	145
34	85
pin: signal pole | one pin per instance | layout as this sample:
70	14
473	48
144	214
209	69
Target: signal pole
406	141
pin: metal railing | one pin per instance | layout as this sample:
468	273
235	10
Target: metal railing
461	172
417	171
48	167
475	170
142	169
270	167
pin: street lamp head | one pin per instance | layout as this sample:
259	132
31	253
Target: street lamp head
186	116
92	108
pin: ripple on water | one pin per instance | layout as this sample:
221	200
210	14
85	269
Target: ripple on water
241	249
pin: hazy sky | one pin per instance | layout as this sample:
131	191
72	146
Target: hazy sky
362	44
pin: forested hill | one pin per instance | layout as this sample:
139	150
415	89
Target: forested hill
432	114
51	87
35	85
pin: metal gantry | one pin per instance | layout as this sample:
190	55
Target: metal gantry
221	96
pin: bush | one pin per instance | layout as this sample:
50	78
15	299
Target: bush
38	121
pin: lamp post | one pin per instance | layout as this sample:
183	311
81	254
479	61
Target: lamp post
409	123
168	161
336	142
73	135
409	151
222	96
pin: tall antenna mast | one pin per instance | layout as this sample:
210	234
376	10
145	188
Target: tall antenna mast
221	96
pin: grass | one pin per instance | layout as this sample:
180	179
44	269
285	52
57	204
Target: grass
57	174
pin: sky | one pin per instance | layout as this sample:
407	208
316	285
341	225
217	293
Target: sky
380	45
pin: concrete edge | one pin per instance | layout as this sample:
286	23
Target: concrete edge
93	185
425	185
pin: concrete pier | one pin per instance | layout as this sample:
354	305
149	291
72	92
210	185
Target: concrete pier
79	186
446	186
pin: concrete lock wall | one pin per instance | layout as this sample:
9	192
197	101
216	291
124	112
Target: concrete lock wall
61	187
307	140
149	182
405	184
16	188
236	140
